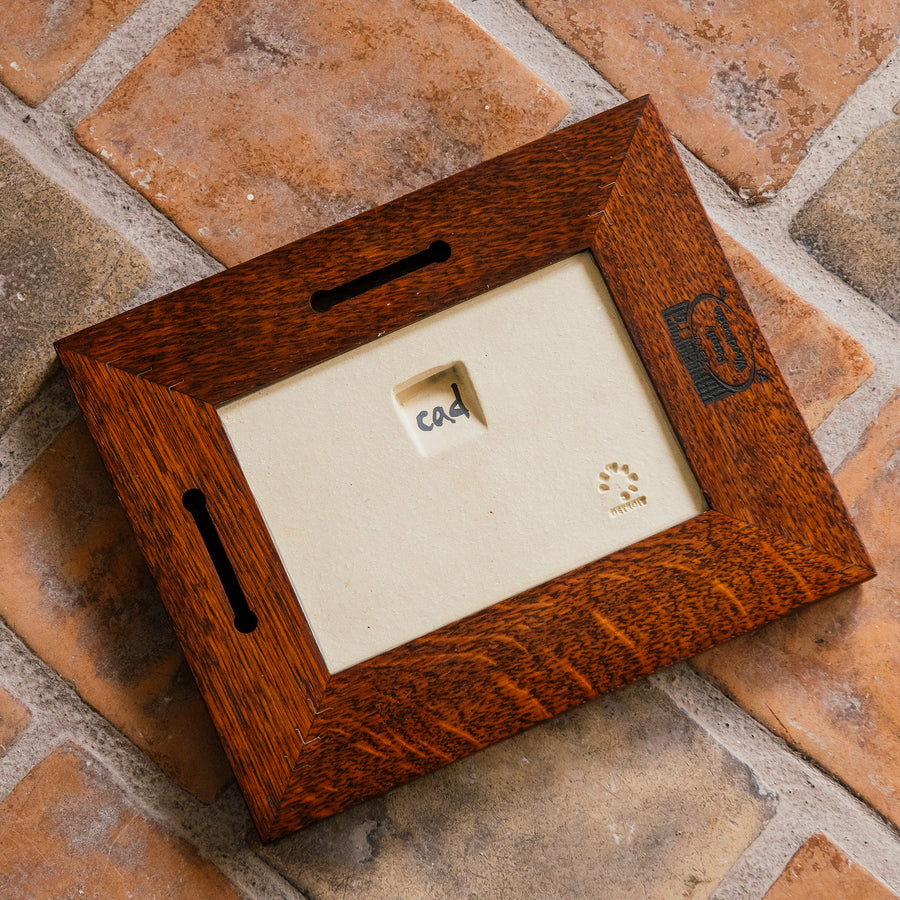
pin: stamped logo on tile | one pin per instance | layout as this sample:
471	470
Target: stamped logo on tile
621	487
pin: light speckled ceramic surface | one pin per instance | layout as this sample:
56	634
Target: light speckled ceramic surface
399	505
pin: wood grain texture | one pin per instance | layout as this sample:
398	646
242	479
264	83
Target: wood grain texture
471	683
306	744
751	450
157	444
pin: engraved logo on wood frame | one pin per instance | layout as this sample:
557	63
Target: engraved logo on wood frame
713	345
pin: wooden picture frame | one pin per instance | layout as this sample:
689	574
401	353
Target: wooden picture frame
305	743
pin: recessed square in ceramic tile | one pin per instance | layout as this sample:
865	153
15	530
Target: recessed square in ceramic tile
388	531
440	409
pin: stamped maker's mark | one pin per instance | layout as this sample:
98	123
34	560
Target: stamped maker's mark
620	485
713	345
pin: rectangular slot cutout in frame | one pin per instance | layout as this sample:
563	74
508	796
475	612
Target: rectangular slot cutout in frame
308	738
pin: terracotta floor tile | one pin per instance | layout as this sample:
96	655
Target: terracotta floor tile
819	870
60	270
44	42
825	678
623	798
822	363
253	124
14	719
74	586
850	225
68	831
744	84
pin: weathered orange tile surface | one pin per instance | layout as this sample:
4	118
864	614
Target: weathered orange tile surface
825	678
44	42
819	871
743	83
253	124
14	719
67	831
821	362
74	586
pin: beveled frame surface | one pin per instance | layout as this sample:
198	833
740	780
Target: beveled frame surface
305	744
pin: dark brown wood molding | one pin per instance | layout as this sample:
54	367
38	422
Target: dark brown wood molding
304	743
